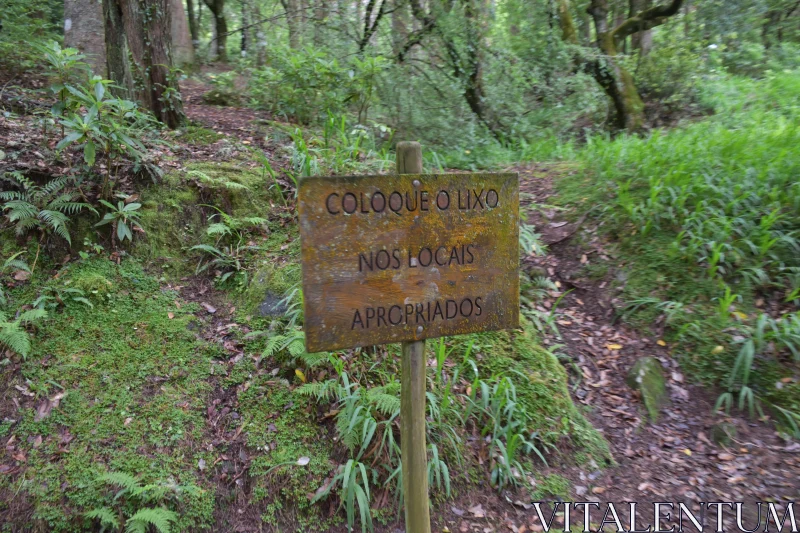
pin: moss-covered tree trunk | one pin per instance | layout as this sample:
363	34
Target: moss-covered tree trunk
616	81
607	69
141	54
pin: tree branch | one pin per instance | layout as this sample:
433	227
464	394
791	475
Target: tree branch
647	19
369	29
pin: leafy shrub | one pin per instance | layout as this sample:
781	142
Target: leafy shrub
299	85
302	85
104	127
670	74
123	217
744	58
25	24
223	90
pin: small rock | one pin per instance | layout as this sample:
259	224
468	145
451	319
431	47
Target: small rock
647	376
580	490
272	305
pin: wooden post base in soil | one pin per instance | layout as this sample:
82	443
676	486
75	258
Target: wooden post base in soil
412	398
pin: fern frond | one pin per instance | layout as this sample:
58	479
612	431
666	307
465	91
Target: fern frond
158	517
31	315
314	359
384	403
254	221
322	390
273	345
55	185
15	338
121	479
296	346
105	515
219	228
20	210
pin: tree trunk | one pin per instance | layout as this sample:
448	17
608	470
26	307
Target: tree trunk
291	7
82	20
320	20
220	43
474	93
615	80
245	30
193	23
147	32
641	41
119	69
399	26
182	48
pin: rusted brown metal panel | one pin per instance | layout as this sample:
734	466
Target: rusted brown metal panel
407	257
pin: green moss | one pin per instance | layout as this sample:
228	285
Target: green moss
172	220
200	136
284	425
552	486
135	390
647	377
271	280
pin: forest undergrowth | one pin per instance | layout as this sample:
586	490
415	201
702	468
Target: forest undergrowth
154	367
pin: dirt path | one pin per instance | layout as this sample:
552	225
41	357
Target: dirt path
673	460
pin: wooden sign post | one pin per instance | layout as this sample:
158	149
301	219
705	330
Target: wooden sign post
403	258
413	450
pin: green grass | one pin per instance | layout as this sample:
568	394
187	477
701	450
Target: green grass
703	209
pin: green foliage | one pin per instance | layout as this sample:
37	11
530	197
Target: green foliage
53	297
26	24
223	90
13	334
354	488
301	84
706	215
6	268
90	117
123	217
671	73
131	499
46	209
227	255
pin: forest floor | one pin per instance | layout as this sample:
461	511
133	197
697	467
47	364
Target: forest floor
673	459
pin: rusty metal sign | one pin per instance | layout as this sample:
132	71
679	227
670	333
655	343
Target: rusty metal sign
407	257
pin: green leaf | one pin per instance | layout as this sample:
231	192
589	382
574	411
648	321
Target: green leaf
72	137
99	90
89	153
123	231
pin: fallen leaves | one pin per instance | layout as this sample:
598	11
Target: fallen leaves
477	511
